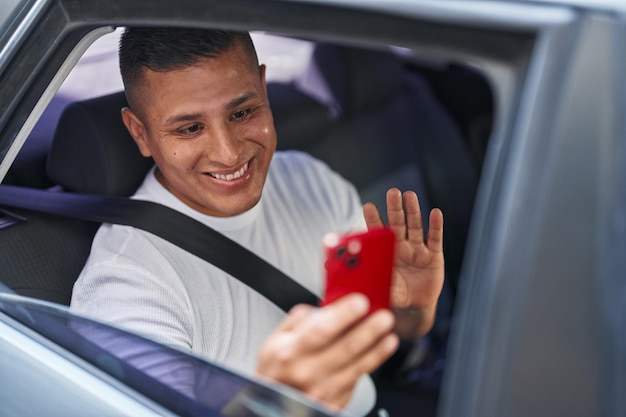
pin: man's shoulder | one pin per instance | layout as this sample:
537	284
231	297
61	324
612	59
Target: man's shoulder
293	156
114	241
298	163
307	178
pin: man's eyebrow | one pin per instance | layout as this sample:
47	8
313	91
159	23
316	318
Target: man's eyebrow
240	100
177	118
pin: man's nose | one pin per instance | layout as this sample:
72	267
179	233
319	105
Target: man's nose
225	145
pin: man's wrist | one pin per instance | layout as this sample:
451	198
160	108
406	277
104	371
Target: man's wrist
413	323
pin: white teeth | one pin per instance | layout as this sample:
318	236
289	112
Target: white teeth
230	177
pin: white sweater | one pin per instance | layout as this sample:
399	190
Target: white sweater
145	284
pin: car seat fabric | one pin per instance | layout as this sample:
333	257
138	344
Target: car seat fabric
356	79
92	152
299	119
468	97
359	90
43	256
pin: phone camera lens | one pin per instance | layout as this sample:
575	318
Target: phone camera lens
353	261
340	252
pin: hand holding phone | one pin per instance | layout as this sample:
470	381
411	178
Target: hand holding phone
362	263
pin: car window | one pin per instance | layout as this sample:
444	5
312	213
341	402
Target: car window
214	390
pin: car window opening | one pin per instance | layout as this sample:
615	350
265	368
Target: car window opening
378	118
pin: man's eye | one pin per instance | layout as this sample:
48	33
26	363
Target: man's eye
241	114
190	130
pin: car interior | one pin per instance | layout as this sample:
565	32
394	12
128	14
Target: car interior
385	119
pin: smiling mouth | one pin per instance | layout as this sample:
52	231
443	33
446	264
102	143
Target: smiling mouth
232	176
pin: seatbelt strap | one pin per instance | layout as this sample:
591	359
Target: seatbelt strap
173	226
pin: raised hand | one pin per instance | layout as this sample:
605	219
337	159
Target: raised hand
419	264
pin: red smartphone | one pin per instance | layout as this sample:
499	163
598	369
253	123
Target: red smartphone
360	262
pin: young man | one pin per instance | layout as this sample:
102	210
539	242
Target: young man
199	108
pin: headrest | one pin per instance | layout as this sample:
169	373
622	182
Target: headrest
350	80
92	152
299	119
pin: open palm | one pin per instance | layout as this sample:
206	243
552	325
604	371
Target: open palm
419	262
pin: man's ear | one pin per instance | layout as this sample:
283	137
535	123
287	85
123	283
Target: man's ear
137	130
262	73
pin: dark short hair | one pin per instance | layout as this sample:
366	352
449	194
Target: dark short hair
166	49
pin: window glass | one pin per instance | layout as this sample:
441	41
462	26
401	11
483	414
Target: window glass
197	388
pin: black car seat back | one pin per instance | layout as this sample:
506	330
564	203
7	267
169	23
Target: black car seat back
92	151
43	254
360	137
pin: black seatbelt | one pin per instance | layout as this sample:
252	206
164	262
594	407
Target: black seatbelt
173	226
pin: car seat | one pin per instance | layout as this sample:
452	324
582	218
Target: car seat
91	152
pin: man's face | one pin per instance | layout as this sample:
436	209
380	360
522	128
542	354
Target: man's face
210	131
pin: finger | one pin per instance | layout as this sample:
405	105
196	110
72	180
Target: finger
295	316
323	328
338	387
395	213
374	357
372	216
358	341
435	231
415	225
